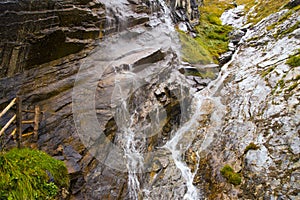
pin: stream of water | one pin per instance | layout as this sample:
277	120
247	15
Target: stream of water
131	137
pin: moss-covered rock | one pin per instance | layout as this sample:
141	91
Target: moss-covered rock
230	175
211	36
251	146
31	174
294	60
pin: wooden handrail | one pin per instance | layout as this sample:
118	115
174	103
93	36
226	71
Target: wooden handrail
7	124
17	131
8	107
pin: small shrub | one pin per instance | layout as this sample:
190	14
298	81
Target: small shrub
251	146
230	175
31	174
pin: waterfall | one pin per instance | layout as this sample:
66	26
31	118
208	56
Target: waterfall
131	137
131	141
116	55
167	15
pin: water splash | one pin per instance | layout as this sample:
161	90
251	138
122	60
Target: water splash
167	15
176	146
133	146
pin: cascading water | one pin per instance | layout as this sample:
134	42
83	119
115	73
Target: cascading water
204	103
119	54
131	141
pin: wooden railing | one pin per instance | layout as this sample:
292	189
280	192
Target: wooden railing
16	120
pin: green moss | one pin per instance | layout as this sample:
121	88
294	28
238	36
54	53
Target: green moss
289	30
251	146
294	60
268	71
28	174
265	8
212	37
213	19
193	51
230	175
281	83
293	86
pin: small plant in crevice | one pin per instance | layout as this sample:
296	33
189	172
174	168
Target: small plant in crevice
267	71
251	146
231	176
294	60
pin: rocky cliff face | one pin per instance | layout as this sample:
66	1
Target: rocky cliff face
33	33
42	44
258	92
247	118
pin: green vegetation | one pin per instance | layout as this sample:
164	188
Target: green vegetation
230	175
293	86
284	17
251	146
281	83
193	51
268	71
294	60
264	8
31	174
280	34
212	36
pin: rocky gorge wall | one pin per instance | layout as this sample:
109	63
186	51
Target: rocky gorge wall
41	44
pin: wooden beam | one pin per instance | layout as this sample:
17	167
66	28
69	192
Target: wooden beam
28	122
27	134
19	121
7	124
8	107
36	122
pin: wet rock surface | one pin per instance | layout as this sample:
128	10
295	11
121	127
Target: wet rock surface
260	95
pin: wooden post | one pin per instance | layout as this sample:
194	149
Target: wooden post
19	121
36	122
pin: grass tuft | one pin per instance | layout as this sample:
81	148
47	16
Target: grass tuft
31	174
294	60
230	175
251	146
